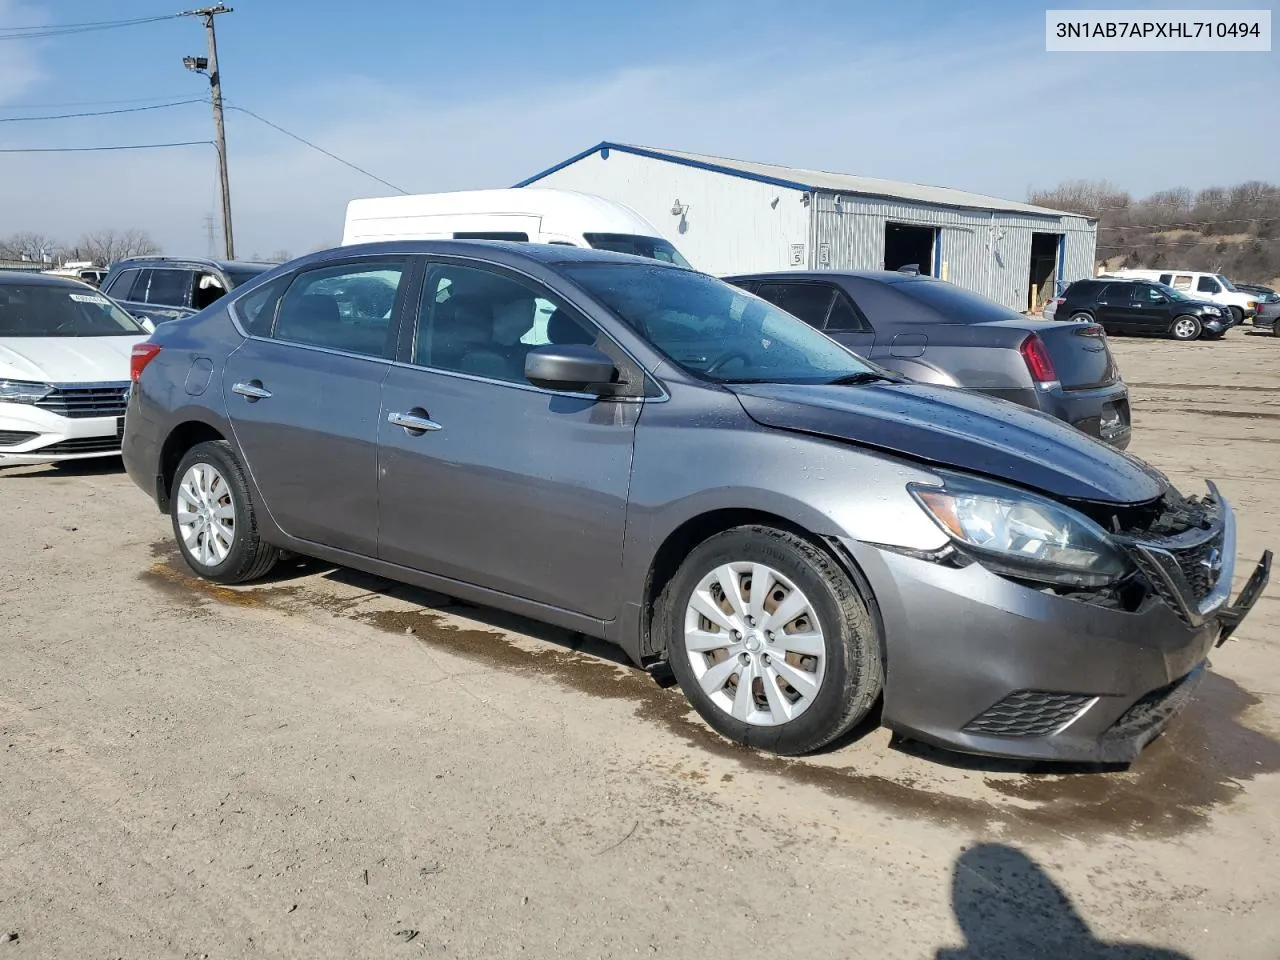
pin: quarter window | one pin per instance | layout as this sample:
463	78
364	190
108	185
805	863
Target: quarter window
347	307
483	323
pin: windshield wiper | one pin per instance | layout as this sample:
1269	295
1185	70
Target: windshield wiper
864	376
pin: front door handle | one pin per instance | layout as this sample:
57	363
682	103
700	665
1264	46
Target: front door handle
252	391
415	422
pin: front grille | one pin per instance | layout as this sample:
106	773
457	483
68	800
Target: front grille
84	445
99	400
1201	565
11	438
1028	713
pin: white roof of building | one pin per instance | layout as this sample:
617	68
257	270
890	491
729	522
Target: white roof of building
801	179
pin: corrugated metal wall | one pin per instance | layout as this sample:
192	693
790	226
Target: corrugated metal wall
732	225
984	252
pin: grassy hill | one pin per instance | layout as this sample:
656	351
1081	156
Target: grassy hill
1230	230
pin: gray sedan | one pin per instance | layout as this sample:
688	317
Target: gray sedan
646	454
939	332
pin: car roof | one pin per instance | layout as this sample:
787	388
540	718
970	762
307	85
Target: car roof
14	277
511	251
881	276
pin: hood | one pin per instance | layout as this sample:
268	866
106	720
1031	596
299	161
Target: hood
965	431
67	359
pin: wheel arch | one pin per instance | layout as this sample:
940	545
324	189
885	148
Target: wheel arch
180	439
697	529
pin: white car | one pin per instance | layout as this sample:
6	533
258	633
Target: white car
64	369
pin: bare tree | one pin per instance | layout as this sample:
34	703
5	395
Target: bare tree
280	256
30	245
1089	197
104	247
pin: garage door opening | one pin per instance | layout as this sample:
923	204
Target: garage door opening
908	246
1042	280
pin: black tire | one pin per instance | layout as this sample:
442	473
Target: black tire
1275	327
854	670
1185	328
1237	316
249	557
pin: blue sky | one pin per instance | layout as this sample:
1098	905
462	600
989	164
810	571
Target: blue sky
434	95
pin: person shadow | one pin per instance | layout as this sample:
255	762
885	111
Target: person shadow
1010	909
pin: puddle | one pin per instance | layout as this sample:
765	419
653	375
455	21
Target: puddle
1198	765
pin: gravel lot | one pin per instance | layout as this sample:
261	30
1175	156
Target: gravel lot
330	764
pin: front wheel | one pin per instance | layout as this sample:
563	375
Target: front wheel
1185	328
1237	316
213	517
770	640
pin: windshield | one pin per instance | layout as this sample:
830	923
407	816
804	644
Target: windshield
1226	283
241	275
654	248
57	311
956	304
715	331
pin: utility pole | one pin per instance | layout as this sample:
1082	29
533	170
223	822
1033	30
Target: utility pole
210	65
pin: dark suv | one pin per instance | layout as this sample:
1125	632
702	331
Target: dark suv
1143	307
166	288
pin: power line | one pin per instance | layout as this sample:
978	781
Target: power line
1183	243
1185	223
67	29
303	140
96	103
122	146
103	113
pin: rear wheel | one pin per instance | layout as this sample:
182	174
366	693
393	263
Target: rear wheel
1082	316
213	517
1185	328
770	640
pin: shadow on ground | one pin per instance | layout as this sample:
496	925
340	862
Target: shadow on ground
1009	909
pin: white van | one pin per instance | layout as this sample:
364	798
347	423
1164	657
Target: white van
531	214
1213	287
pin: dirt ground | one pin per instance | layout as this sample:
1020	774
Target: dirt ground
330	764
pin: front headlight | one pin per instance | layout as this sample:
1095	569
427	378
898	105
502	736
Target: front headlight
1023	536
1213	311
23	391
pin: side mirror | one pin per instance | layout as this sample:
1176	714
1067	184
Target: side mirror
569	366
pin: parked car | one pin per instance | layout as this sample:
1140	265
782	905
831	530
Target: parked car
1143	307
1267	316
686	470
535	214
64	369
164	288
1213	287
936	332
89	274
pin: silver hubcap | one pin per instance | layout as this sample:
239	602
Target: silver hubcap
206	514
755	643
1184	329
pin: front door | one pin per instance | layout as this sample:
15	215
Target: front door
487	479
1150	310
304	399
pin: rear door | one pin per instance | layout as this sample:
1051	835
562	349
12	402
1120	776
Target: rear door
304	392
1115	309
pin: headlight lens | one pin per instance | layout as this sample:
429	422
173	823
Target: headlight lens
23	391
1213	311
1024	536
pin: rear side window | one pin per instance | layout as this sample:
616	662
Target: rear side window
845	316
1083	290
1166	277
808	301
346	307
1208	285
955	304
165	287
1181	281
122	285
1117	293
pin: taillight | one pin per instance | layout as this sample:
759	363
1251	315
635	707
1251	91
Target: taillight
1039	363
143	353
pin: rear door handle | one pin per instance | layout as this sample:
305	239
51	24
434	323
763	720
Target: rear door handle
251	391
415	421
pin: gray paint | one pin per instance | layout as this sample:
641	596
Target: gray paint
555	506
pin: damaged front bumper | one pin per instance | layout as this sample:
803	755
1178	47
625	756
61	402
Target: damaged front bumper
982	664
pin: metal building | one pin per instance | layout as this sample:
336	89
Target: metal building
731	216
